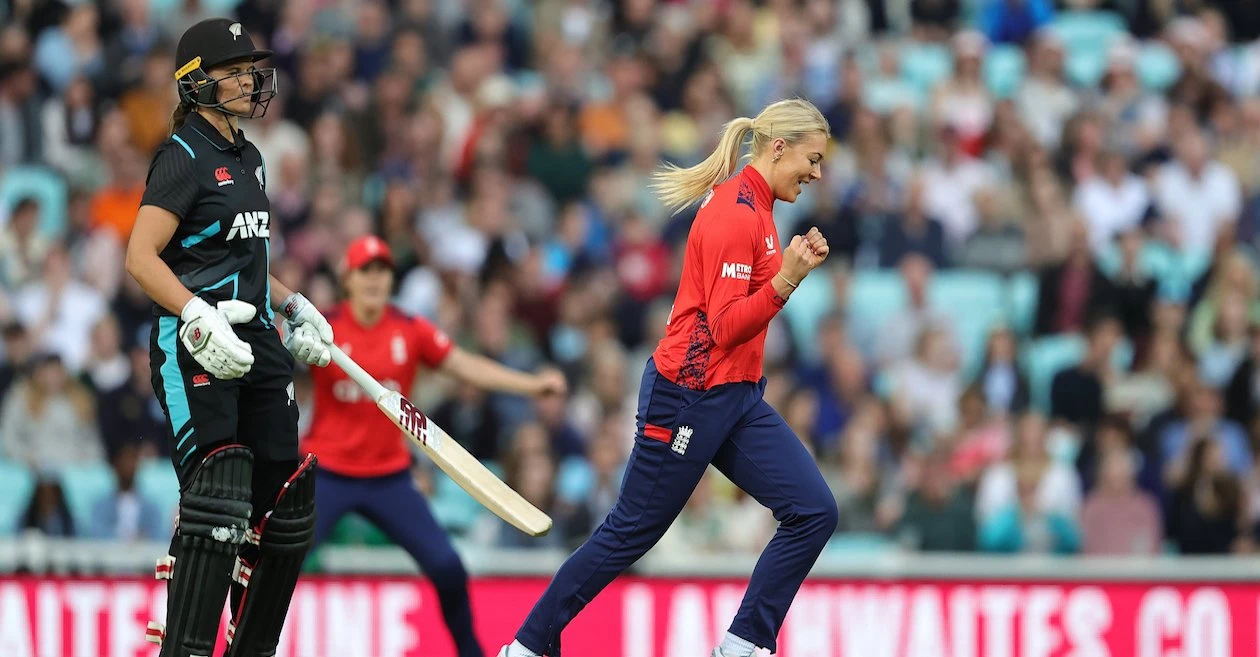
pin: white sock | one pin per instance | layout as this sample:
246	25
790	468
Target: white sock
733	646
518	650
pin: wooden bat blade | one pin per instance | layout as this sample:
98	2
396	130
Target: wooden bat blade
462	467
449	455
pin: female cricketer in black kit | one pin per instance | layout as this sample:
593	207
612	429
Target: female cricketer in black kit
200	249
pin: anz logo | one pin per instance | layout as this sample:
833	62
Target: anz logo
250	224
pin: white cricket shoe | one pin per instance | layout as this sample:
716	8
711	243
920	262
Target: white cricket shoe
717	652
506	651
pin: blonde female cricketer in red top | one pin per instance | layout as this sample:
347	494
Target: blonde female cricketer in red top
700	400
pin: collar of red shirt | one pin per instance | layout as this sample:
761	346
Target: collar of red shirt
761	189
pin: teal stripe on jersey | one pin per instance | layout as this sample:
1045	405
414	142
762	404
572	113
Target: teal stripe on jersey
270	314
185	145
190	453
233	278
183	439
210	231
172	377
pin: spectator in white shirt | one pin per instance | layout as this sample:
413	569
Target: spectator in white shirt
1198	197
1045	100
950	185
60	311
1111	203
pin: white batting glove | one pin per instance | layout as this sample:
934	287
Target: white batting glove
303	341
208	336
300	312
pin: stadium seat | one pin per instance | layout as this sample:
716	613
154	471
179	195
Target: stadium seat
1088	29
810	303
17	484
1157	67
84	485
975	303
1044	358
1087	36
883	96
874	296
925	65
1085	67
1004	68
1021	301
962	292
42	184
454	509
574	480
156	482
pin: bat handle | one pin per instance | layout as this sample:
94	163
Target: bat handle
360	376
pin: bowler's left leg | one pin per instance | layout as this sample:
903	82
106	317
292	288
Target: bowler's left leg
765	459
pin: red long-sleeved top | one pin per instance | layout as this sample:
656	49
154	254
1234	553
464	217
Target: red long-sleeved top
717	327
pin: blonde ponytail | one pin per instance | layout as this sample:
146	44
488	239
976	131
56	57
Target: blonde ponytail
791	119
678	187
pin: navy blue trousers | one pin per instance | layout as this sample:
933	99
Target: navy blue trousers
680	432
394	505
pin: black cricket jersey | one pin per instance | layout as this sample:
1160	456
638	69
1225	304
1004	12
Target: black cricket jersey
217	188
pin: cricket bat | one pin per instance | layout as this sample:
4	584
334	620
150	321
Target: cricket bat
449	455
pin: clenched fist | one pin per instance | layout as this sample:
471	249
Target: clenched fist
803	254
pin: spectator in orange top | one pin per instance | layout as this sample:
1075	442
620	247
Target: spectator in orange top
114	206
604	126
153	96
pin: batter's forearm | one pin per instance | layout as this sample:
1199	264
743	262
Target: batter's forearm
157	280
279	292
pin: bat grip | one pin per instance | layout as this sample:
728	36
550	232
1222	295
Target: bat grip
358	374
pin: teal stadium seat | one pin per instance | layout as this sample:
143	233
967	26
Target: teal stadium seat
83	485
1088	29
975	303
875	295
1087	37
1004	67
455	510
883	96
1021	301
810	303
574	480
1044	358
41	184
1157	67
926	64
156	482
17	484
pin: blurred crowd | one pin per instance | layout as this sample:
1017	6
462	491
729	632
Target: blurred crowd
1038	330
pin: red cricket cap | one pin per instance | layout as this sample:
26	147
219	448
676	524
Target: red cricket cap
366	249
